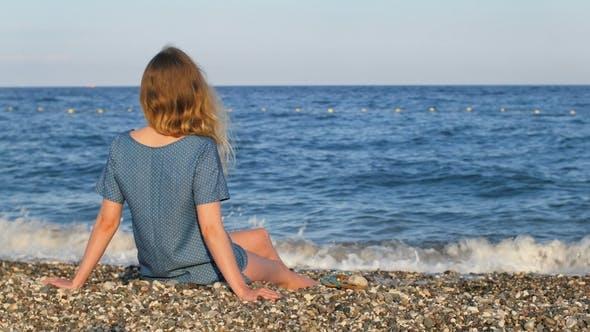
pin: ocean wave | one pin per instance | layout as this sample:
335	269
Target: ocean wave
474	255
32	240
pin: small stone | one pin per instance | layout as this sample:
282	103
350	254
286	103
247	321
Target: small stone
571	322
428	322
343	308
399	296
158	284
487	313
529	325
108	285
13	307
549	321
217	285
472	310
358	281
308	297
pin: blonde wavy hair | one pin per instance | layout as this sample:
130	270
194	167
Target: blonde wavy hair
177	101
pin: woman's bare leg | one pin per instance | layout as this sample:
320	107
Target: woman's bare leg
267	264
264	269
258	241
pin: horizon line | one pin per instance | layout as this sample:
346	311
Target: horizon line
90	86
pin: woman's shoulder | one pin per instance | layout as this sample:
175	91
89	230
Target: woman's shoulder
198	141
119	138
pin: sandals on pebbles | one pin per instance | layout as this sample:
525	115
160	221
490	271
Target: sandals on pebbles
344	281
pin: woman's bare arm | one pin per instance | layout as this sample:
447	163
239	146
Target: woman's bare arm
219	244
105	227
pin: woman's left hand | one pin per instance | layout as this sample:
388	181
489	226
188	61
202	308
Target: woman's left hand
60	283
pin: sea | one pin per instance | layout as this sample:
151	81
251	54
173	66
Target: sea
472	179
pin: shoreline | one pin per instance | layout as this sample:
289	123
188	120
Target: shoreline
114	299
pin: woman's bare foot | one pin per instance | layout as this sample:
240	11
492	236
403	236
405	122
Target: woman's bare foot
263	269
298	281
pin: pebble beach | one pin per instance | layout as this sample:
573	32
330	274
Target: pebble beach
115	299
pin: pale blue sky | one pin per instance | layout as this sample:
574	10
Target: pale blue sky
60	42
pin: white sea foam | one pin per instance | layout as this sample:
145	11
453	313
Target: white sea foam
477	255
255	222
24	239
27	240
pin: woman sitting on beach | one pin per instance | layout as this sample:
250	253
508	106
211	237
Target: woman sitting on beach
171	175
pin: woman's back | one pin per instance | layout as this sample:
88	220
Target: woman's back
162	185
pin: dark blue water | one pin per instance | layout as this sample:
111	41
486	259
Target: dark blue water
361	175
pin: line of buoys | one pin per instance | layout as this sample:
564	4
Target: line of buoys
535	111
70	110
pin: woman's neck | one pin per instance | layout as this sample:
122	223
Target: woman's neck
150	137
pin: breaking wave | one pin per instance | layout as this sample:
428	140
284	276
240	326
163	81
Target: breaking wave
31	240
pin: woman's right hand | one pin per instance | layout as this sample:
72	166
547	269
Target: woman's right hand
250	294
61	283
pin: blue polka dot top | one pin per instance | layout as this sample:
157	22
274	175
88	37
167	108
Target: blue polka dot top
162	187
